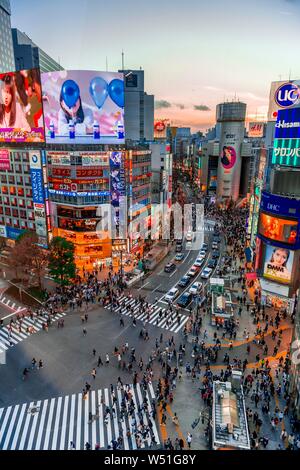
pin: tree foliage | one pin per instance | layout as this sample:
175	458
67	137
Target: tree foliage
27	258
61	261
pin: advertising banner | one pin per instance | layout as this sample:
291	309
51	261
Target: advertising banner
37	186
118	193
4	159
21	110
256	129
278	264
288	123
89	172
95	159
61	172
278	229
84	107
280	205
13	233
283	95
160	128
59	158
286	152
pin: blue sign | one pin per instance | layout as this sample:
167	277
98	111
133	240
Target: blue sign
287	95
288	124
37	185
13	233
280	205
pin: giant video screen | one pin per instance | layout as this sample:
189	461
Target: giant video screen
278	264
83	107
277	228
21	109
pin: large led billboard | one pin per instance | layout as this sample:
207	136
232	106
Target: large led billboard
21	110
278	229
83	107
278	264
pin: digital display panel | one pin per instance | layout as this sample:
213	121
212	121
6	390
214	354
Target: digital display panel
278	229
278	264
84	107
21	109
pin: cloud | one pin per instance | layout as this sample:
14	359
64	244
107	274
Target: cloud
180	105
201	107
162	104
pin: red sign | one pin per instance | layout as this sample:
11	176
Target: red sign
61	172
89	172
63	186
4	159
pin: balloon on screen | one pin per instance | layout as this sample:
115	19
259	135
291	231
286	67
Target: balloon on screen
70	93
99	91
116	92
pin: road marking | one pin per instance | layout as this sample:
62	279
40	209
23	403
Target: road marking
173	273
144	285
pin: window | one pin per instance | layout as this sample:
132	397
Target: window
7	211
20	192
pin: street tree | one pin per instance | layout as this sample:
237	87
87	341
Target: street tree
61	261
27	258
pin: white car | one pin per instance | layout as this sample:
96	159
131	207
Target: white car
193	271
202	253
206	273
195	288
215	245
199	262
170	296
189	236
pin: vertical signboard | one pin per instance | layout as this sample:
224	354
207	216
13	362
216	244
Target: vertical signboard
118	193
283	95
38	193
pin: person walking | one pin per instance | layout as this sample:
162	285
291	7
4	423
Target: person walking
99	363
107	359
189	439
94	373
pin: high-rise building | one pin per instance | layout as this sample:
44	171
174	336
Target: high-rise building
139	108
231	115
277	252
29	56
7	61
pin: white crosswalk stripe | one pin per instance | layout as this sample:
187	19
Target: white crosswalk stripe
52	424
156	316
10	338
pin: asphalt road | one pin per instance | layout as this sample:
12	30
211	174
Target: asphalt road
159	282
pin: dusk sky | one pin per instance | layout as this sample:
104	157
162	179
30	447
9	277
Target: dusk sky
195	53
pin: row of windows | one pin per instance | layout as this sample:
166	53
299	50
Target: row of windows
16	202
22	224
22	213
16	191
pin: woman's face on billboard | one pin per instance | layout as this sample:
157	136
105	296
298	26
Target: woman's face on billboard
280	257
71	111
6	96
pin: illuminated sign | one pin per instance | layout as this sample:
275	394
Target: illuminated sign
288	124
80	194
256	129
283	95
278	229
280	205
286	152
278	264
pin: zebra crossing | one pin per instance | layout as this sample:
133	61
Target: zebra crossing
158	316
52	424
9	338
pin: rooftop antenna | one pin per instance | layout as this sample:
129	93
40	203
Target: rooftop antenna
122	59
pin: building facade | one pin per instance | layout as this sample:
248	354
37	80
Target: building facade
28	55
7	61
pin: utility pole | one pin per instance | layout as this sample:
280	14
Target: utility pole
122	60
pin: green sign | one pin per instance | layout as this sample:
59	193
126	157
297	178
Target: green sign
286	152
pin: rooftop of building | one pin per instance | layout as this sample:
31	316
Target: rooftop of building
230	427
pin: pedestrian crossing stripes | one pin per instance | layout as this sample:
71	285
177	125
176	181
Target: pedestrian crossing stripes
53	424
9	338
157	316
